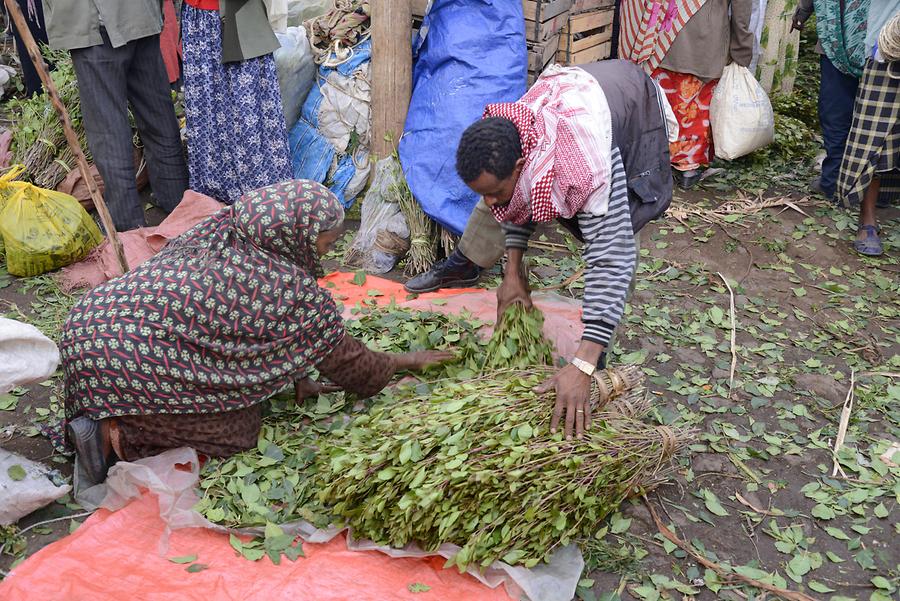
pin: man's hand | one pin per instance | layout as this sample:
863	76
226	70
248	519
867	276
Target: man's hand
514	288
798	21
573	398
420	360
307	387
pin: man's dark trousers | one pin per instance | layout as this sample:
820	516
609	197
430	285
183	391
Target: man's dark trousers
837	93
109	79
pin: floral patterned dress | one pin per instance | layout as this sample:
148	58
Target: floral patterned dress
236	134
224	317
689	98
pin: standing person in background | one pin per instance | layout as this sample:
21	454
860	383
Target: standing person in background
873	146
841	27
237	138
715	35
115	53
34	14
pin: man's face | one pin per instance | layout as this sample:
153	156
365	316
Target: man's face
497	192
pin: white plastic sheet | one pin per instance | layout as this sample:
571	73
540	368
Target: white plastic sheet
381	219
345	108
757	20
277	10
299	11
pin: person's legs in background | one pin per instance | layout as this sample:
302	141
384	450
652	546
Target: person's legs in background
35	20
151	102
837	92
689	98
867	241
614	39
102	74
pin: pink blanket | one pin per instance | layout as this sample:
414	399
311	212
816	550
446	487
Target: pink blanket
140	244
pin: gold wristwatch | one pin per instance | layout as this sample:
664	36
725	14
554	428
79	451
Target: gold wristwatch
584	366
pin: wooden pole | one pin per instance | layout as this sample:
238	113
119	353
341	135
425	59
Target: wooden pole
391	73
71	137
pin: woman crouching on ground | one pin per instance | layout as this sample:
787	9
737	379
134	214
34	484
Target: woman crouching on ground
182	350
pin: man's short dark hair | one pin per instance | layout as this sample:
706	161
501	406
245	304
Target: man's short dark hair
491	145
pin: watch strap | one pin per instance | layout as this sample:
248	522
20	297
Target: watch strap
584	366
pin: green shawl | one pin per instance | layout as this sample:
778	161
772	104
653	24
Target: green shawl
843	37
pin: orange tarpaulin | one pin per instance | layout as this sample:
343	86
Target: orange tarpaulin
344	290
114	556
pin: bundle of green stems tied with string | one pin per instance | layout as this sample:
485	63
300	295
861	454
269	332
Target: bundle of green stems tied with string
422	231
474	464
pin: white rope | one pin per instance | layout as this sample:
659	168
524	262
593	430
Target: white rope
889	39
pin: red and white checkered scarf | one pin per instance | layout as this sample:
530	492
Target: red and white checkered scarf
566	133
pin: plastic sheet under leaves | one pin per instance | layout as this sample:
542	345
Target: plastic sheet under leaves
148	516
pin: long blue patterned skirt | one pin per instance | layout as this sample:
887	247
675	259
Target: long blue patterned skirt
237	138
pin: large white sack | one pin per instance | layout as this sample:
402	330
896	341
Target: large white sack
296	71
345	108
740	114
26	355
300	11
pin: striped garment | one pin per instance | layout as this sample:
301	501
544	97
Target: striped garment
647	31
609	252
873	145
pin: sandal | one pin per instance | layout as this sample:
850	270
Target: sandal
871	245
84	433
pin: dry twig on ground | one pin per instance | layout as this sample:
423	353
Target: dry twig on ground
842	428
742	205
717	568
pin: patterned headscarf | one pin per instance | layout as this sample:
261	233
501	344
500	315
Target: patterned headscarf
565	129
293	215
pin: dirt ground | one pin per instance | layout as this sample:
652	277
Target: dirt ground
755	493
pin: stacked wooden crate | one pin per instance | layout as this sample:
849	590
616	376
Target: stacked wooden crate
569	32
587	36
544	22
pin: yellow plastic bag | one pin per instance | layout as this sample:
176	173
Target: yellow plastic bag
42	230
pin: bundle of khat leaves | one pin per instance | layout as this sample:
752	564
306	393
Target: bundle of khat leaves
518	342
474	464
393	329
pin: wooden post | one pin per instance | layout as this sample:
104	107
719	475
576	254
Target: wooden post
391	73
71	137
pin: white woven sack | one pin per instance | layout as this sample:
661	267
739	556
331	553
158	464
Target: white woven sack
740	114
26	355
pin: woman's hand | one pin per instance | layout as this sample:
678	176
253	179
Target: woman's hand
421	360
573	397
307	387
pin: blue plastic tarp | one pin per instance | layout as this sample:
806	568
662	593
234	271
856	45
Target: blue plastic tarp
311	154
472	54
